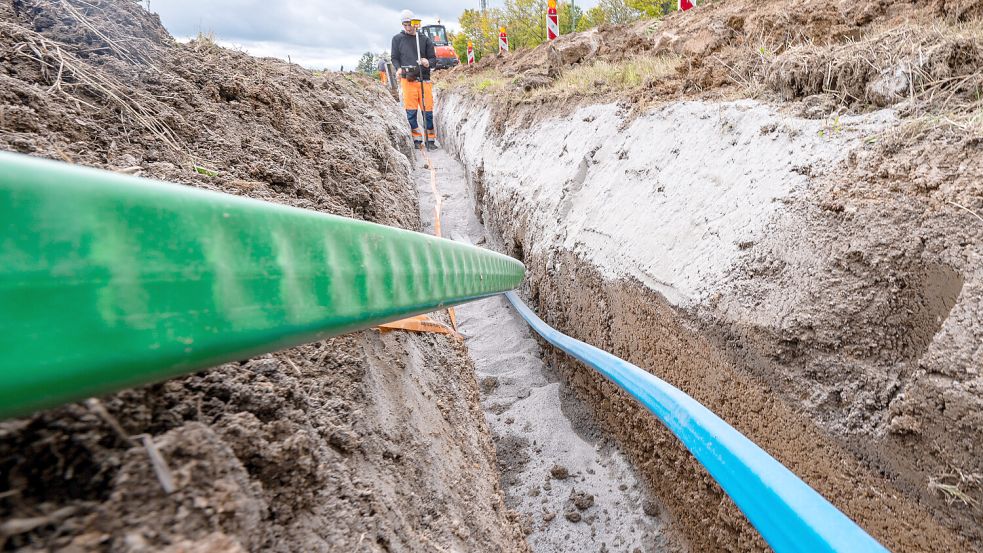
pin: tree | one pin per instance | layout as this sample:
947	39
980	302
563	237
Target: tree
594	17
608	12
482	29
459	41
525	21
619	12
568	14
652	8
366	64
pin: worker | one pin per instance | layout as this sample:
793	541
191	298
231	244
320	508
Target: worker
413	54
382	72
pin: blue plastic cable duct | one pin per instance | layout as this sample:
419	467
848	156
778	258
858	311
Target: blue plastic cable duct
789	514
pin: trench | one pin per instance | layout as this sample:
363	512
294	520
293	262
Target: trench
647	249
571	488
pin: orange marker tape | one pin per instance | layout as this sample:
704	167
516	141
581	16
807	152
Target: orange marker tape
422	323
419	323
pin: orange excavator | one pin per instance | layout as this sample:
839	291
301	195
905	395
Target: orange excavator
446	57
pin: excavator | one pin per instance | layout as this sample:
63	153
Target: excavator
446	57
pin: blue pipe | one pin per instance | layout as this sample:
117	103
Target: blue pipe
789	514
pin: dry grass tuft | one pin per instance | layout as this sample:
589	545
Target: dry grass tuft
935	65
489	81
602	76
74	78
951	486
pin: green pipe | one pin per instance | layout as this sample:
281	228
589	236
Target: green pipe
109	281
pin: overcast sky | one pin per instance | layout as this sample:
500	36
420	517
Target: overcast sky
314	33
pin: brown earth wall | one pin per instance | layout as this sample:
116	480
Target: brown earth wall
637	325
363	442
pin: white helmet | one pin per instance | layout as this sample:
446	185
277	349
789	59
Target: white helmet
406	15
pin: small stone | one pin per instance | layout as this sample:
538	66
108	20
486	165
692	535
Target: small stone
572	516
559	472
488	384
548	517
650	508
582	500
345	440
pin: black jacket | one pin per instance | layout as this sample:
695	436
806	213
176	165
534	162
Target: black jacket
403	51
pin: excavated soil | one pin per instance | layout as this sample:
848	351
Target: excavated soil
844	335
363	442
842	57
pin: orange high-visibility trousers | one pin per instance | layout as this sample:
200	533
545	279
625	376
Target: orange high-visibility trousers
383	77
411	103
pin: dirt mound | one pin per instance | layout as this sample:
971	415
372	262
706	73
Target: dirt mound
336	446
107	87
925	55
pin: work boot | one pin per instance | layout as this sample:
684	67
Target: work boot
417	144
431	145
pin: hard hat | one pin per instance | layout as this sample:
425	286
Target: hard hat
406	15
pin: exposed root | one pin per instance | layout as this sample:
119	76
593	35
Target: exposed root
951	487
968	210
161	470
58	64
935	65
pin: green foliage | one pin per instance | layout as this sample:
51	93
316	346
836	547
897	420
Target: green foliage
568	14
618	11
205	171
480	28
459	41
525	21
366	64
652	8
609	12
594	17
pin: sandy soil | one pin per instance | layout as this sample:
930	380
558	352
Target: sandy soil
813	261
572	488
364	442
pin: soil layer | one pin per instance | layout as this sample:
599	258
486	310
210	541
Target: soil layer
841	335
813	276
363	442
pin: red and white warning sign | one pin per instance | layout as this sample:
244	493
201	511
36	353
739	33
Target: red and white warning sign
503	40
686	4
552	21
470	53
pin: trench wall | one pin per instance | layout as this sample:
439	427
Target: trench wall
641	234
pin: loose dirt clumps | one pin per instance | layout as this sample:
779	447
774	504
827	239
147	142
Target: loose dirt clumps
364	442
868	54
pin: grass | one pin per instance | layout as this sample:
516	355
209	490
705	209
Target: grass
488	81
602	76
206	37
598	77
